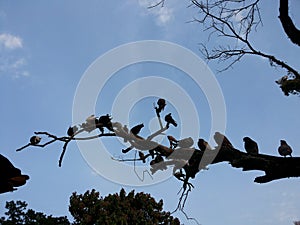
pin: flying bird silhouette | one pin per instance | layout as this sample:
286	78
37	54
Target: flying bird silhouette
284	149
203	145
250	146
169	119
34	140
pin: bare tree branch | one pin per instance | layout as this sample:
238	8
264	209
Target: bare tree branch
219	18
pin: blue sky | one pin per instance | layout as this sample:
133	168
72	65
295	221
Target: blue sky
45	48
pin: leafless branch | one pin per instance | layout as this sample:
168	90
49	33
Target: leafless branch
219	17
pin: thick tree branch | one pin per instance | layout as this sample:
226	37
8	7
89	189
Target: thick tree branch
287	23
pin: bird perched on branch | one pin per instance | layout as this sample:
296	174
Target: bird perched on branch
34	140
90	123
142	157
185	143
161	106
72	130
169	119
203	145
250	146
104	121
282	80
173	142
222	140
284	149
136	129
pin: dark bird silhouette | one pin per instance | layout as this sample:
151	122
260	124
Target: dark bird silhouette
222	140
284	149
161	106
104	121
186	142
34	140
282	80
142	157
173	142
169	119
250	146
203	145
72	130
158	159
10	176
136	129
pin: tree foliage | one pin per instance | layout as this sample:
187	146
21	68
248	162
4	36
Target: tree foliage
92	209
140	208
18	215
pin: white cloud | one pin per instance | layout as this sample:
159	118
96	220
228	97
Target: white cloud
13	67
163	15
9	41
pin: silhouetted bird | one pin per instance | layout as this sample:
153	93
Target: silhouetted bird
186	142
136	129
203	145
282	80
152	153
169	119
284	149
250	146
161	106
222	140
72	130
10	176
142	157
90	123
34	140
104	121
173	142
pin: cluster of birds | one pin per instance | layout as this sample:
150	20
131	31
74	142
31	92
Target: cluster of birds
92	123
161	104
251	147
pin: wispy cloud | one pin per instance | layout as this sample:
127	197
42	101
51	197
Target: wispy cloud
163	15
12	60
13	66
9	41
